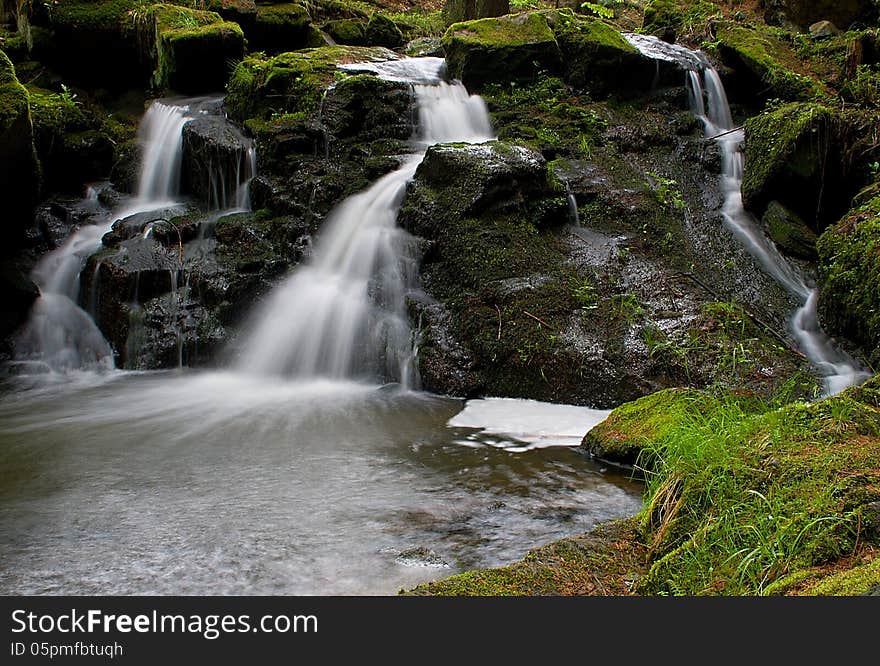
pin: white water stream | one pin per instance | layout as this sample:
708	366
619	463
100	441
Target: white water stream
709	103
343	314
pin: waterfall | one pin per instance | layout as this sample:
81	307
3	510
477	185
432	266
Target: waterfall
343	314
59	333
709	103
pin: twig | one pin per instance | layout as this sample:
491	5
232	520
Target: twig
499	321
731	131
537	319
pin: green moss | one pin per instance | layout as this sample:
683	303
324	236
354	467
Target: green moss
382	31
110	16
737	501
687	20
514	47
289	83
13	96
784	147
860	580
605	562
770	58
350	32
193	48
849	268
789	231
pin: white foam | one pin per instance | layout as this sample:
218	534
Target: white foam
524	425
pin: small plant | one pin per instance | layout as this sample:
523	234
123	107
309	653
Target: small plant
627	307
68	96
666	191
584	292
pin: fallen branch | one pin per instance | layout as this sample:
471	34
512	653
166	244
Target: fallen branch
537	319
499	322
731	131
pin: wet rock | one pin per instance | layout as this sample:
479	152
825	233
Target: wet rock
425	47
420	557
215	160
19	293
366	108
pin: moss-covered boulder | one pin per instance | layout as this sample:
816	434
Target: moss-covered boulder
849	268
742	498
350	32
508	48
790	233
19	169
194	49
291	83
70	143
96	42
279	27
597	57
793	156
762	55
382	31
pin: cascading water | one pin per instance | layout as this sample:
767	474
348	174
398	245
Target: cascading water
344	313
59	333
709	103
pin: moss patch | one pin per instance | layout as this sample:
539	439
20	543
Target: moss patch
849	267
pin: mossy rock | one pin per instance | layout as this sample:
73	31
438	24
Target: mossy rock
849	269
96	43
291	83
13	45
194	49
597	57
509	48
685	20
19	168
769	59
243	12
789	158
277	28
621	437
382	31
790	233
351	32
70	142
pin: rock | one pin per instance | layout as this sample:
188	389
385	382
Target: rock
19	168
366	108
498	50
291	83
382	31
421	557
70	143
352	32
96	43
790	232
767	60
663	19
486	176
793	155
455	11
823	30
849	272
425	47
598	58
19	293
243	12
194	49
215	160
282	27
